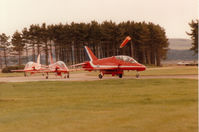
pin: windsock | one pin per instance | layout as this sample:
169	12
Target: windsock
125	41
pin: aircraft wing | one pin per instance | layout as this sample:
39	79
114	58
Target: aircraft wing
77	69
23	70
36	70
48	70
102	68
90	69
60	70
18	70
76	65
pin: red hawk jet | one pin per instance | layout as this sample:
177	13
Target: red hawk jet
58	68
114	65
32	67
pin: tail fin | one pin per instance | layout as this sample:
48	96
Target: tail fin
51	58
38	59
90	54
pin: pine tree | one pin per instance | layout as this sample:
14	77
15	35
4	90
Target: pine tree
4	44
18	45
194	35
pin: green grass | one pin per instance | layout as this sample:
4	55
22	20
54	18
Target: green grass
175	70
178	70
156	71
151	105
11	74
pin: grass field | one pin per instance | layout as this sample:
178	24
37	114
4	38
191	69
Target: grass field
174	70
151	105
156	71
11	74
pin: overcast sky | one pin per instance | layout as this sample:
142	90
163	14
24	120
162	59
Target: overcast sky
172	15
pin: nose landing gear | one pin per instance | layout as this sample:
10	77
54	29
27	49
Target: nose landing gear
47	75
137	75
100	76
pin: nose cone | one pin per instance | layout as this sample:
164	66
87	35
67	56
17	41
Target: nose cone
142	67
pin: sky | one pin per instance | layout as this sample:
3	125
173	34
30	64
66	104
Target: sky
172	15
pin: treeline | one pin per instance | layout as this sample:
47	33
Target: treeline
66	41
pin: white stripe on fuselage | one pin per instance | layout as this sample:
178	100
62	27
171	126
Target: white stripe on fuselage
105	66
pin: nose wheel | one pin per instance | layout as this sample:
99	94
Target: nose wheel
47	75
137	75
100	76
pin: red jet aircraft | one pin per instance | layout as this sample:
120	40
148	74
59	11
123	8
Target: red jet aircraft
32	67
114	65
58	68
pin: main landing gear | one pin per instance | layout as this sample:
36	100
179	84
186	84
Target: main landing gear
101	75
120	75
66	76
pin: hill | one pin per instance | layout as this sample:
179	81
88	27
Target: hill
181	55
180	44
179	50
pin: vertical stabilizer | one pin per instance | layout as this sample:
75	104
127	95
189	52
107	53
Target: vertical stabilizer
38	59
90	54
51	58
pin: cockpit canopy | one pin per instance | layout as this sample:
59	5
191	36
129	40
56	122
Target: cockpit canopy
29	64
61	64
126	58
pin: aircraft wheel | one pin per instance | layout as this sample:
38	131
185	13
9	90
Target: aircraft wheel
68	76
46	77
120	75
137	75
100	76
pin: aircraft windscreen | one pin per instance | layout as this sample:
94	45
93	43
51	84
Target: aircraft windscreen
126	59
61	64
29	64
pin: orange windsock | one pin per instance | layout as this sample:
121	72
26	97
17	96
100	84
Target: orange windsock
125	41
